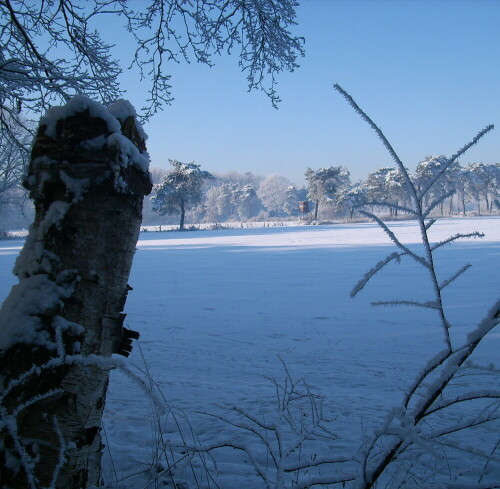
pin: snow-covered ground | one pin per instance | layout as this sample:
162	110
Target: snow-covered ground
217	310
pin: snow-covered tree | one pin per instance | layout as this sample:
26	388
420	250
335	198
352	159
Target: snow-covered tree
353	197
486	178
375	185
293	196
460	179
13	163
179	190
247	202
426	173
291	204
273	194
324	184
397	192
226	200
52	50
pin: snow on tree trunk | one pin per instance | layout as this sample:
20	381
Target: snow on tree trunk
88	176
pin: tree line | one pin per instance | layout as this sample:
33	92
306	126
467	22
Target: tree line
200	196
186	192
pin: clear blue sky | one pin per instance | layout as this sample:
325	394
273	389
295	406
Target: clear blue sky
427	72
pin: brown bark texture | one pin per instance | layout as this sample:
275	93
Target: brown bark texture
73	281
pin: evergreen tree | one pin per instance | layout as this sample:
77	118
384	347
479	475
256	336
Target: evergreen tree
180	189
325	184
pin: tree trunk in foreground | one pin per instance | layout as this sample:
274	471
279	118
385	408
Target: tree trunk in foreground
88	179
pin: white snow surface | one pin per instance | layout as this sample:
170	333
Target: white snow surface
217	309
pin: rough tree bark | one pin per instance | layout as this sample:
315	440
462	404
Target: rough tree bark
88	179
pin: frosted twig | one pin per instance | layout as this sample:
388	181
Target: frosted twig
429	224
143	386
35	399
27	462
459	447
373	271
378	131
383	203
426	305
442	369
436	202
488	461
470	396
451	239
395	240
253	419
315	463
324	480
457	274
62	451
455	157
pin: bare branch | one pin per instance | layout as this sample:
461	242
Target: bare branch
436	202
425	305
451	239
457	274
455	157
395	240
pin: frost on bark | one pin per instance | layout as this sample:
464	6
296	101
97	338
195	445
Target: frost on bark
88	176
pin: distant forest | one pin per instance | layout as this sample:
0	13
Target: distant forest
329	194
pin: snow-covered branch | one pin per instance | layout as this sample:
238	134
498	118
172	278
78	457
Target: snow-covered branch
407	432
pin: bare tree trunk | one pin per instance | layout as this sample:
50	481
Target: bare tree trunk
316	210
66	314
183	215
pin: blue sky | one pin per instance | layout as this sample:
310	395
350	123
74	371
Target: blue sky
426	71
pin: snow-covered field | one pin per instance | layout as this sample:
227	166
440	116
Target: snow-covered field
217	310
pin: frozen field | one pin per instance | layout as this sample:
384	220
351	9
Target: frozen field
218	309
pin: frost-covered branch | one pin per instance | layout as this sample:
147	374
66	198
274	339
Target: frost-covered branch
402	436
424	305
51	51
382	137
390	205
374	270
457	274
394	239
454	158
277	442
436	202
451	239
